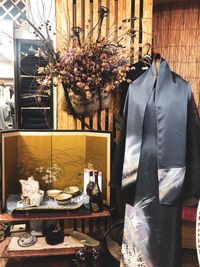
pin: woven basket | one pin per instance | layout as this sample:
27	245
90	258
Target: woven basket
112	239
83	106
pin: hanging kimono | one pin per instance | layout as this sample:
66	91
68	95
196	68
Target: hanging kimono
157	165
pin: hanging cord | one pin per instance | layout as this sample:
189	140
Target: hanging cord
99	109
103	12
76	32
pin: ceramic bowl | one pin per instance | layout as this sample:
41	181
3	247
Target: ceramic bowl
71	190
70	205
53	193
63	198
63	202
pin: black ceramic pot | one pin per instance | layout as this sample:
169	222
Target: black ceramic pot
54	235
96	256
81	258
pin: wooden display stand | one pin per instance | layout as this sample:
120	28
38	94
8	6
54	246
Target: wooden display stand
20	149
188	235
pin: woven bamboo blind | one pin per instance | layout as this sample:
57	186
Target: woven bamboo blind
84	13
176	36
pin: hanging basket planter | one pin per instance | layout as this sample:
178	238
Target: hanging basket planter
89	68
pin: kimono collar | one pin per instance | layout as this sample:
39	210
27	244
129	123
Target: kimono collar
164	68
148	78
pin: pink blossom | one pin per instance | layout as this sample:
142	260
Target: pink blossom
105	67
103	56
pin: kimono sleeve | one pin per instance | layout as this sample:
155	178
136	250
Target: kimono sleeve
117	166
192	179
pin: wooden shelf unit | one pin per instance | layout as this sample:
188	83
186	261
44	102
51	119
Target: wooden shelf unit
32	253
52	216
26	76
61	216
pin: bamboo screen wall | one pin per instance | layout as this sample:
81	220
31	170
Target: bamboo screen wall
176	36
84	13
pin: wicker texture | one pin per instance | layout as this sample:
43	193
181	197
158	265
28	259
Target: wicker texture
198	232
176	37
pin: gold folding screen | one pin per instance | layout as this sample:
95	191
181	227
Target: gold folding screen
84	13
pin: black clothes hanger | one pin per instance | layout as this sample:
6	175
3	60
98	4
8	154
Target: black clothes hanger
147	58
142	65
135	71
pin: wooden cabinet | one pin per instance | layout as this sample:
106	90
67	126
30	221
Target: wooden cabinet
34	106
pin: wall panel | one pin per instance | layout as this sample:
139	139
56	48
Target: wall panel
84	13
176	36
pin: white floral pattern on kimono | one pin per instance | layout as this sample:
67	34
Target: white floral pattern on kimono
136	236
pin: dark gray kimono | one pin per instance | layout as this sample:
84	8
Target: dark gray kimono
178	137
157	165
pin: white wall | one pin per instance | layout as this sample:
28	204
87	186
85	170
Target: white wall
6	50
41	11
